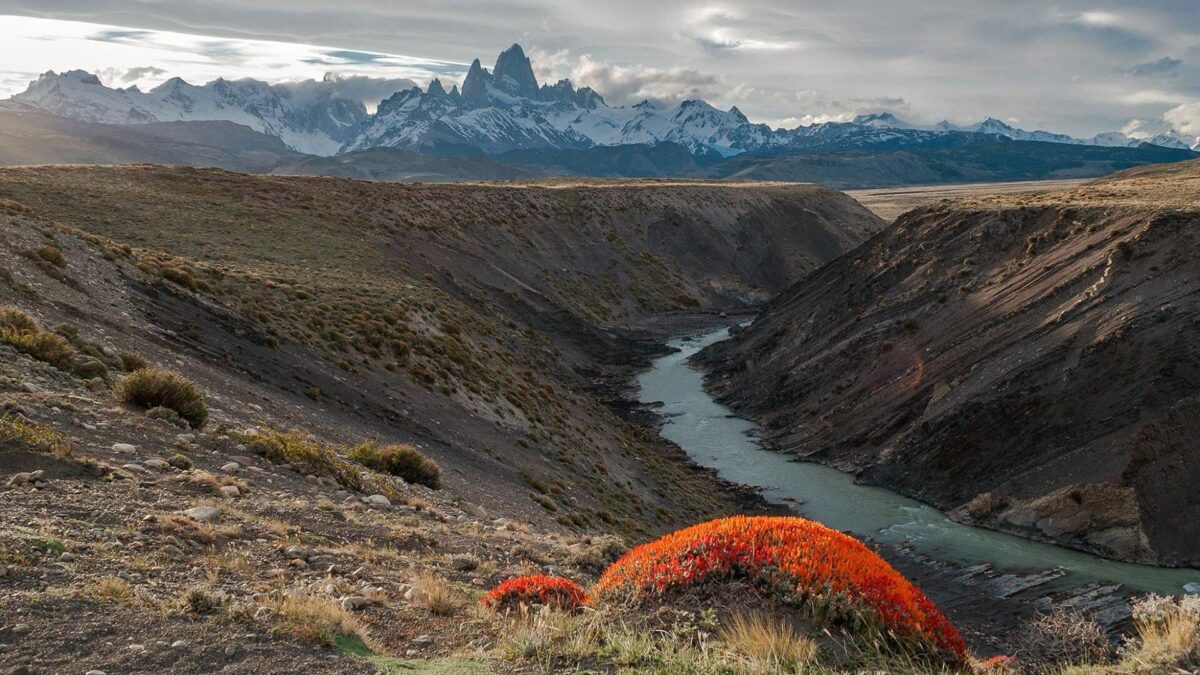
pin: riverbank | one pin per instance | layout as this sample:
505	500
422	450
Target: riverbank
988	582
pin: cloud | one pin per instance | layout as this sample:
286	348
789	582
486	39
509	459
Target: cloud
1105	19
622	85
368	90
719	28
1182	121
127	76
1160	67
1185	119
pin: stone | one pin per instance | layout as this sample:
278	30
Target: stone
95	672
231	491
124	448
135	468
377	500
20	478
96	385
203	514
354	602
67	556
179	644
231	467
157	464
422	641
295	552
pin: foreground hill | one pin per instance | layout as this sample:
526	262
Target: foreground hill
1027	362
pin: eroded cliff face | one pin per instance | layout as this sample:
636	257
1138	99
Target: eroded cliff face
1027	363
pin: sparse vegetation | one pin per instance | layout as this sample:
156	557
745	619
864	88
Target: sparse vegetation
400	460
304	451
767	643
22	332
21	433
437	595
1063	638
150	388
317	620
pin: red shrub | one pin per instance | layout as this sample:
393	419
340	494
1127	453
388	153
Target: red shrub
831	576
537	589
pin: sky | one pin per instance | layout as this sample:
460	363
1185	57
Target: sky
1074	66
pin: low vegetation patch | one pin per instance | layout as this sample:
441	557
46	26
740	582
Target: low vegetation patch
400	460
150	388
539	589
21	433
317	620
22	332
830	577
302	450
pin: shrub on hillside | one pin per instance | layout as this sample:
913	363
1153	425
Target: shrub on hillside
22	332
131	362
400	460
830	577
1063	638
151	388
21	433
302	450
52	255
538	589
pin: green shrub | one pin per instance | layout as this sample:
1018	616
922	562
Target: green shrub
18	432
400	460
17	319
151	387
89	367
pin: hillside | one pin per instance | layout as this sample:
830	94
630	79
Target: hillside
30	136
1027	362
366	308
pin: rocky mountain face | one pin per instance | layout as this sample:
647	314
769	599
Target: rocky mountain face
502	110
1027	363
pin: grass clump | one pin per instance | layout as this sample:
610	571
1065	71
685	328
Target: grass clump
400	460
52	255
317	620
22	433
437	595
1167	634
768	644
300	449
111	590
152	388
131	362
22	332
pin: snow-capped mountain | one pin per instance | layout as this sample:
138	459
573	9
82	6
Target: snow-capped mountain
314	123
505	109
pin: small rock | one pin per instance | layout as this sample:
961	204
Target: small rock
67	556
184	439
20	478
30	388
96	385
231	491
203	514
295	552
95	672
3	571
422	641
124	448
157	464
231	467
20	628
354	602
135	468
20	670
179	644
1192	588
377	500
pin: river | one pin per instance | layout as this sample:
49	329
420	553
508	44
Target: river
715	437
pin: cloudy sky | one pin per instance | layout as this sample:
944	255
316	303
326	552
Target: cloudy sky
1073	66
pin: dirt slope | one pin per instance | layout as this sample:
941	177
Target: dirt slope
1031	363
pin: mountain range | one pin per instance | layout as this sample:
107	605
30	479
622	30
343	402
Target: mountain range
498	111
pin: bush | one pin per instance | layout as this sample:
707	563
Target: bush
827	575
302	450
131	362
1168	633
21	433
400	460
150	388
52	255
539	589
17	319
22	332
88	368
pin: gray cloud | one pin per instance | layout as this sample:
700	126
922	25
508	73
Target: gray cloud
1160	67
369	90
122	76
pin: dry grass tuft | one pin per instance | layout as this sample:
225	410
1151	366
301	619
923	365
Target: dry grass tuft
317	620
152	388
401	460
111	589
437	595
1168	633
769	644
303	450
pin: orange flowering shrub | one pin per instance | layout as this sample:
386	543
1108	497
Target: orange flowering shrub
831	576
536	589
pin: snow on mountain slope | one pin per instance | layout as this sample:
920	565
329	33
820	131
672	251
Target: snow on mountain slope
317	124
501	110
